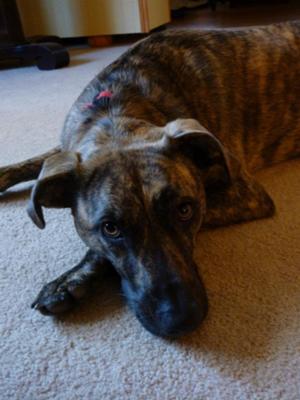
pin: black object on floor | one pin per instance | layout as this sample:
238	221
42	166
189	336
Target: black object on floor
13	45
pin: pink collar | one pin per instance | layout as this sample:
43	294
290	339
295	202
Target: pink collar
104	93
101	99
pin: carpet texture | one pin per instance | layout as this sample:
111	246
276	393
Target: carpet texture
248	347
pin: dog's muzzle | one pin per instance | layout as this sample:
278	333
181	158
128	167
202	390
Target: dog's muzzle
170	308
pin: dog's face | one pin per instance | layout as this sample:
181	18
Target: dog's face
140	204
143	215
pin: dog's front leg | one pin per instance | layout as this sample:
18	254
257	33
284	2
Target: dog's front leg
62	294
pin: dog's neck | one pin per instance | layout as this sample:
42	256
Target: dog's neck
131	104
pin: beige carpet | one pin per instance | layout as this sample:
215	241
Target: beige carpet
249	346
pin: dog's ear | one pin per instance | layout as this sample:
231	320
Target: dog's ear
56	185
232	195
206	151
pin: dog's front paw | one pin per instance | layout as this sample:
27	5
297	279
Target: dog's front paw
58	296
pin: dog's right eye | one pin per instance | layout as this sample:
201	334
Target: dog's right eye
185	211
111	230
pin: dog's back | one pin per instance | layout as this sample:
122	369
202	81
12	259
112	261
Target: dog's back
242	84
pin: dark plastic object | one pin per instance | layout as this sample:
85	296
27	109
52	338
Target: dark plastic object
46	55
13	45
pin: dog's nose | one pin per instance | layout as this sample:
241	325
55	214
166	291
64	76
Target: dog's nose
175	310
173	321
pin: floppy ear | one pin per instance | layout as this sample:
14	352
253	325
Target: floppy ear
55	186
232	195
206	151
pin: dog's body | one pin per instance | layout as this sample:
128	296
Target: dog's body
242	85
142	175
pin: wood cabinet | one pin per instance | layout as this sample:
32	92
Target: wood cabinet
73	18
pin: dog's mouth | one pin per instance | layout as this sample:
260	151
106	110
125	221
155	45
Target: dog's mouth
169	310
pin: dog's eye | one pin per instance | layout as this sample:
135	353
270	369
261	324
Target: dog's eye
111	230
185	211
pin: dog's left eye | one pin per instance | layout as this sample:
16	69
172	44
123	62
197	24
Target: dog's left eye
185	211
111	230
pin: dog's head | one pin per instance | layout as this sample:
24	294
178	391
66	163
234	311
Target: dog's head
139	200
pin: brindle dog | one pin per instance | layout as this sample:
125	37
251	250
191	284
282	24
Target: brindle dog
141	174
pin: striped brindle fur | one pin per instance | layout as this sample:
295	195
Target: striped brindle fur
192	116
